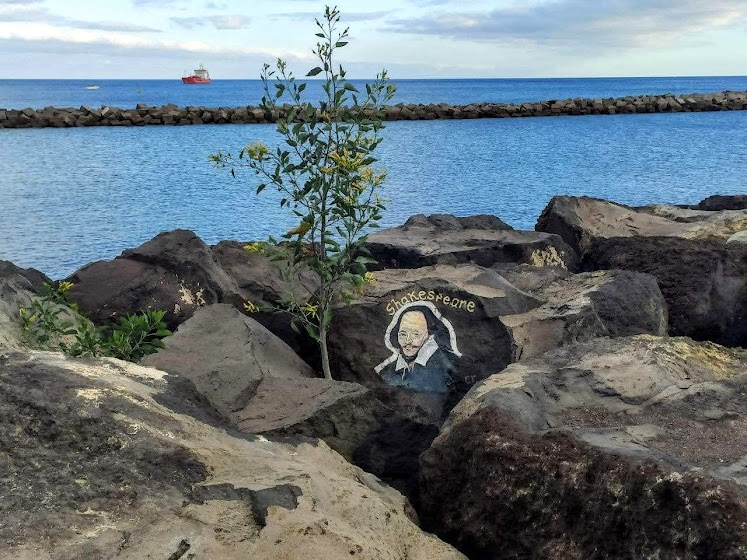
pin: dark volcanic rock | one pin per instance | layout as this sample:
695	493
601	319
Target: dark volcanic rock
704	281
723	202
175	271
583	306
482	240
462	306
259	280
581	220
694	255
614	449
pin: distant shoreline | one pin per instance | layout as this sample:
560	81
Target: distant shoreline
143	115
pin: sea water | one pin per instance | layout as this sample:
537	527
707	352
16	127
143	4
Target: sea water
75	195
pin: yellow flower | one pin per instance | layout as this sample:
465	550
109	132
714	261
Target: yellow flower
250	307
255	247
369	278
309	310
257	150
64	287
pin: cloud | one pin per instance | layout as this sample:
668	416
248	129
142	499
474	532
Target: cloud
579	24
345	17
42	15
50	38
20	2
234	21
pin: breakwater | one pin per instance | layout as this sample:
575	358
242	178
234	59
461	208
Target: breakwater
143	115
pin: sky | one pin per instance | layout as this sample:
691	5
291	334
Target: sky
153	39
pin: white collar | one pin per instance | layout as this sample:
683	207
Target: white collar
427	350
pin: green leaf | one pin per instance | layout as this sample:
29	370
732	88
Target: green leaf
314	72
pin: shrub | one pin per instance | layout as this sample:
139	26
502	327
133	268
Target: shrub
325	176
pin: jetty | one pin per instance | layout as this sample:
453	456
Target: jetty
171	114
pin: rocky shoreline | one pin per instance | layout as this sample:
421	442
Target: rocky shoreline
143	115
597	411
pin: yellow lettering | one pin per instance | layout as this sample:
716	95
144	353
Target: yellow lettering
455	302
390	308
471	306
421	295
438	297
463	304
431	295
446	300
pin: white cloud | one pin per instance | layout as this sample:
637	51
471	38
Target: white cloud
226	21
583	24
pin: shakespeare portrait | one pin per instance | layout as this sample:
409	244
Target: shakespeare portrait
423	349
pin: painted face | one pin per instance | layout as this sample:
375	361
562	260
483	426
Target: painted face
413	332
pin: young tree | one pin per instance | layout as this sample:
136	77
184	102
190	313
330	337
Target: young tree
325	176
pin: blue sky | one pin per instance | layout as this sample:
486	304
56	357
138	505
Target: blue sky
411	38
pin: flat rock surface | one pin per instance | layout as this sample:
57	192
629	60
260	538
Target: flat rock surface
482	240
580	220
104	466
613	448
227	355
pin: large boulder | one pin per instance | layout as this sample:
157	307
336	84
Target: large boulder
583	306
18	286
480	322
620	448
100	468
581	220
461	338
702	274
259	281
260	386
704	281
227	355
723	202
175	271
482	240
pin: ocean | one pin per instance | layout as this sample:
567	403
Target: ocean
72	196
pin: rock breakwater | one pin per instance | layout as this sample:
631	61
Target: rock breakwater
171	114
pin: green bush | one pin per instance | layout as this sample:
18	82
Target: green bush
50	321
324	173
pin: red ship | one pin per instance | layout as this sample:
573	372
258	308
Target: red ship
200	76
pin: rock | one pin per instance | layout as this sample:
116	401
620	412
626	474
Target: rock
482	240
227	355
584	306
460	306
103	466
704	281
614	448
18	286
259	280
580	220
258	385
739	238
724	202
175	271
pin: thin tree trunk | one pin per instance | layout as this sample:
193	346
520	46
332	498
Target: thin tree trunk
325	354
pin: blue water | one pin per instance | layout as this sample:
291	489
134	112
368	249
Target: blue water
125	94
72	196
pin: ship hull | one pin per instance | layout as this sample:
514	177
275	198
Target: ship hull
195	80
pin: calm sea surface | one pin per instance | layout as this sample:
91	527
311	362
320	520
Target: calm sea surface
72	196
